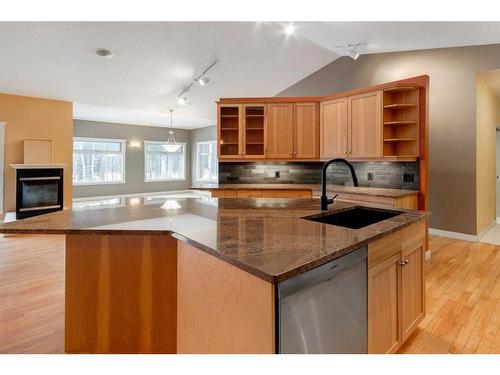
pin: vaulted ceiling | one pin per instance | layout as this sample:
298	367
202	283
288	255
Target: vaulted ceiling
153	61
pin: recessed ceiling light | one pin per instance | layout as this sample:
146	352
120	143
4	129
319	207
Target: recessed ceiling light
289	29
104	53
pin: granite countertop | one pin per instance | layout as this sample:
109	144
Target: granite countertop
265	237
316	189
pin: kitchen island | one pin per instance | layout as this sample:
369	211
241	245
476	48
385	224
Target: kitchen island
200	275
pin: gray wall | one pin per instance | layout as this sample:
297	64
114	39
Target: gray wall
134	173
452	116
207	133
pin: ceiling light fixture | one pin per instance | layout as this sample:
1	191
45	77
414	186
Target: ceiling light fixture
201	79
351	50
172	145
182	100
104	53
289	29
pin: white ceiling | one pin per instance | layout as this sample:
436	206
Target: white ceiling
153	61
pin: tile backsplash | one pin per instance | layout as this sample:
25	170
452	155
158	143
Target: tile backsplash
384	174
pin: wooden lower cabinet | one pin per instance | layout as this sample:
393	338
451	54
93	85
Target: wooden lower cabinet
396	288
384	290
412	287
407	201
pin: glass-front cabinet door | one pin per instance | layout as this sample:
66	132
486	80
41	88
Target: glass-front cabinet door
254	134
230	131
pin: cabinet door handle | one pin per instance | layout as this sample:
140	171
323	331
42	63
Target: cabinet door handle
404	262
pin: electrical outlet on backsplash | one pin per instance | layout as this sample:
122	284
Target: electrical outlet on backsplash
370	174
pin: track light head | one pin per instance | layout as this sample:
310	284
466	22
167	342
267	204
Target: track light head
203	81
182	99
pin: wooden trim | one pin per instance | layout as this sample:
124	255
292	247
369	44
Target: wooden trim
121	294
276	99
222	309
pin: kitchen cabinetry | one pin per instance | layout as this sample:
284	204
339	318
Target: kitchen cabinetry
384	335
365	125
386	122
396	288
254	131
333	128
351	127
280	131
306	131
229	131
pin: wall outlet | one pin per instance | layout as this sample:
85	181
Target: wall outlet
409	177
369	176
277	174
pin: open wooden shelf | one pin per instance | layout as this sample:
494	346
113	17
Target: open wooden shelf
396	123
401	117
255	128
229	116
400	139
400	105
401	89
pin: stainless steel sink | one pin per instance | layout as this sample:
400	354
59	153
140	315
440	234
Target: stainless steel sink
354	218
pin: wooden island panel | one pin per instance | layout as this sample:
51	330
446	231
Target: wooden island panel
221	308
121	294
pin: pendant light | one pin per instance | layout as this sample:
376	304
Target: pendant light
172	145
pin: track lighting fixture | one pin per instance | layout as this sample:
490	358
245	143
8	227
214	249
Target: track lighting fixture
202	80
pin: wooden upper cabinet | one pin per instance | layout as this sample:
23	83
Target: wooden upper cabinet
254	131
333	128
229	130
280	131
384	293
306	137
365	125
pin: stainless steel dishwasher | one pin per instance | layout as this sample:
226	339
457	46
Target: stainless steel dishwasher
325	310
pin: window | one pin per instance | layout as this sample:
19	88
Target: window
206	161
162	165
98	161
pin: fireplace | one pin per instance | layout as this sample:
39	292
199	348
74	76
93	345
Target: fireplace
38	191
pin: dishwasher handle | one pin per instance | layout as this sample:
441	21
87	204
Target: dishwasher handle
322	273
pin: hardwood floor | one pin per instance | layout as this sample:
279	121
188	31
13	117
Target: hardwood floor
463	294
32	294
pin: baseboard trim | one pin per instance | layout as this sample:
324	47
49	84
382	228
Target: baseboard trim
485	231
456	235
